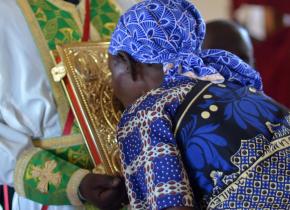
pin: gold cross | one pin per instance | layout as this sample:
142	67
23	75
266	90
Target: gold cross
46	176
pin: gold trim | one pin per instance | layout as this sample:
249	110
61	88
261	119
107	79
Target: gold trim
48	61
274	147
188	106
94	34
81	109
59	142
70	8
78	122
20	169
117	6
99	169
45	175
73	186
67	54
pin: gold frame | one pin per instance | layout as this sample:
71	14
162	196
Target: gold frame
88	75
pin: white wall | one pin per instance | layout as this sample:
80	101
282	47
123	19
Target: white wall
213	9
125	4
210	9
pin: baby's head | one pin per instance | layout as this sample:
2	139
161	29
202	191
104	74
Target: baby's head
229	36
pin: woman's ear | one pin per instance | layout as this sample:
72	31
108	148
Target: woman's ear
126	89
132	65
119	64
124	56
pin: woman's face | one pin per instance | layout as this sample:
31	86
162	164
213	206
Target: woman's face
126	89
131	80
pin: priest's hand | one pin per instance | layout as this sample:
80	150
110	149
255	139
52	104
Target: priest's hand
103	191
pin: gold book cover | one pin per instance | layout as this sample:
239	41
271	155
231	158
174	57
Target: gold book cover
86	78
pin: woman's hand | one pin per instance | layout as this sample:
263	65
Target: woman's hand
103	191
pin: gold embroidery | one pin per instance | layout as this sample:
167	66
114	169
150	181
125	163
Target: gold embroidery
68	35
88	73
59	142
46	176
40	14
71	9
20	168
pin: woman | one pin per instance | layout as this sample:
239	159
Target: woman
198	132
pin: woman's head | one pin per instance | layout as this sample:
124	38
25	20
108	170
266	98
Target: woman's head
131	79
158	31
148	36
168	34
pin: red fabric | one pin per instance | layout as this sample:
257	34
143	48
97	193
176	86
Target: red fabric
273	62
44	208
86	34
69	123
6	197
282	5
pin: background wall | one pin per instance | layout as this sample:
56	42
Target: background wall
210	9
213	9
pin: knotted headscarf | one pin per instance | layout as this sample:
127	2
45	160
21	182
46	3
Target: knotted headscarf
171	32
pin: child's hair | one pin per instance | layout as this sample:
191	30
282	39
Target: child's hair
229	36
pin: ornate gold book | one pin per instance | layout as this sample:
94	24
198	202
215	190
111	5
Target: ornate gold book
86	79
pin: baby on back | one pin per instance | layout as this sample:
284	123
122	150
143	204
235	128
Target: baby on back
229	36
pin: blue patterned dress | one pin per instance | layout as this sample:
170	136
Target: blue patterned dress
204	145
193	143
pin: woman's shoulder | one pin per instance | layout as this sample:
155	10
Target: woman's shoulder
159	102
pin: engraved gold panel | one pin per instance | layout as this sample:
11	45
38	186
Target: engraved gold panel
87	70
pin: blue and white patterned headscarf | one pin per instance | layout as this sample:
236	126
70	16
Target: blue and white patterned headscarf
171	32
